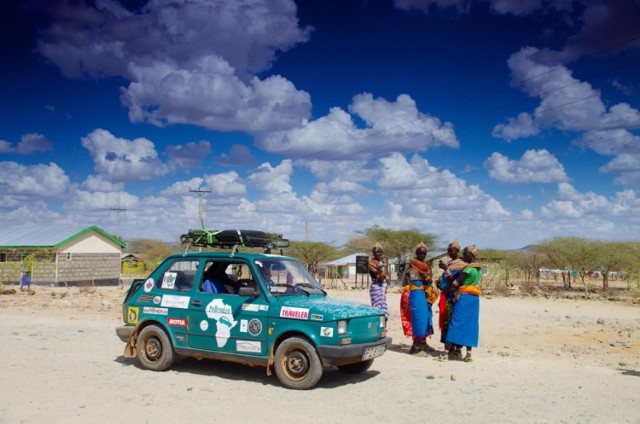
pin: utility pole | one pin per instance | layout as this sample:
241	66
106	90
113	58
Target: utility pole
200	193
306	231
118	211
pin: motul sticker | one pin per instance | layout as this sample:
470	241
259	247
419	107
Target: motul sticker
177	322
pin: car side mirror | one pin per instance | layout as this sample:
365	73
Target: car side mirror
248	291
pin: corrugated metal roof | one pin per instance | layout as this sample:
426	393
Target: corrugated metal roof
42	236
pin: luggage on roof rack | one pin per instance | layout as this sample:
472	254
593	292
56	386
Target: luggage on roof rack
230	238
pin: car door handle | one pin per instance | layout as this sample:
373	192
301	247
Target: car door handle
196	303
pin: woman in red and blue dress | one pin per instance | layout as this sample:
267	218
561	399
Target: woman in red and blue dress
417	285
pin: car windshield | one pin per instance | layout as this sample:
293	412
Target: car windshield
286	277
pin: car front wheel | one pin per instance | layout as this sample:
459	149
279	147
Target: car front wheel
297	364
154	350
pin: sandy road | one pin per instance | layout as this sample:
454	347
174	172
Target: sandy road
540	361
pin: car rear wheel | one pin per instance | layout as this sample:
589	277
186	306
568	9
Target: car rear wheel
297	364
357	368
154	350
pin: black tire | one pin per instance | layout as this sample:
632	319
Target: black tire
297	364
154	349
357	368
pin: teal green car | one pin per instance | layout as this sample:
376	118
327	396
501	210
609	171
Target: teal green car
256	309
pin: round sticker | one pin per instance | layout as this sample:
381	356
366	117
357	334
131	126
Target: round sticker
148	285
157	300
204	325
255	327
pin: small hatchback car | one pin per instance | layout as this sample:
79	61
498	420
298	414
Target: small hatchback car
252	308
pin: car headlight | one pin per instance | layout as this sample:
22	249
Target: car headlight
382	321
342	327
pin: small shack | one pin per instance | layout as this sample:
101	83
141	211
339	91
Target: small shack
131	264
60	255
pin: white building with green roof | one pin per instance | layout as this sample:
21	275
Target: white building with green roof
60	255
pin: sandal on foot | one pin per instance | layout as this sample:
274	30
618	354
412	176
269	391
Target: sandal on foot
468	358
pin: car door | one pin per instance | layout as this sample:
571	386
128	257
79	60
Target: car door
229	323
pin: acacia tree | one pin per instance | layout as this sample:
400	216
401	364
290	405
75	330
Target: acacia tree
311	253
585	255
557	252
398	244
612	256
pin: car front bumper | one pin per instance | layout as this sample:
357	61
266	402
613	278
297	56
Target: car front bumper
349	354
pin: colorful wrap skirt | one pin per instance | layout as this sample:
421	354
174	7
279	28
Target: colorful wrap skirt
405	313
378	293
464	327
421	314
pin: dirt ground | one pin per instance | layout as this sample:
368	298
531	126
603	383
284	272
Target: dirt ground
539	361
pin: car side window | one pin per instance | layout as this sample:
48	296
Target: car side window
224	277
179	277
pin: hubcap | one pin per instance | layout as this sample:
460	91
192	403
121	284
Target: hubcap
153	349
297	364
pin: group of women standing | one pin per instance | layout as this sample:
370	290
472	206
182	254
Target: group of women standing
458	303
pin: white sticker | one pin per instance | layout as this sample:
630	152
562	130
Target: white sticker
204	325
243	325
248	346
148	285
169	280
251	307
326	331
172	301
155	311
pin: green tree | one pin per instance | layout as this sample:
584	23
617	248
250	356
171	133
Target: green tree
557	253
612	257
311	253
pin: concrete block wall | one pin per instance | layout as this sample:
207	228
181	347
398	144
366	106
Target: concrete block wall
97	269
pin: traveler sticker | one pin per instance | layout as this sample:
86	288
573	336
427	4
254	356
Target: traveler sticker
297	313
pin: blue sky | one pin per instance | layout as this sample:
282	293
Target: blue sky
493	122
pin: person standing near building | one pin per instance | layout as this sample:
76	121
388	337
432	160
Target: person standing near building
379	280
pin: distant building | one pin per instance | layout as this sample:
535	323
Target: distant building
60	255
131	264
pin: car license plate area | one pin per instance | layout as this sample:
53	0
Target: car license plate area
373	352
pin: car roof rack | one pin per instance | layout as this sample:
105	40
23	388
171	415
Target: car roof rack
233	239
